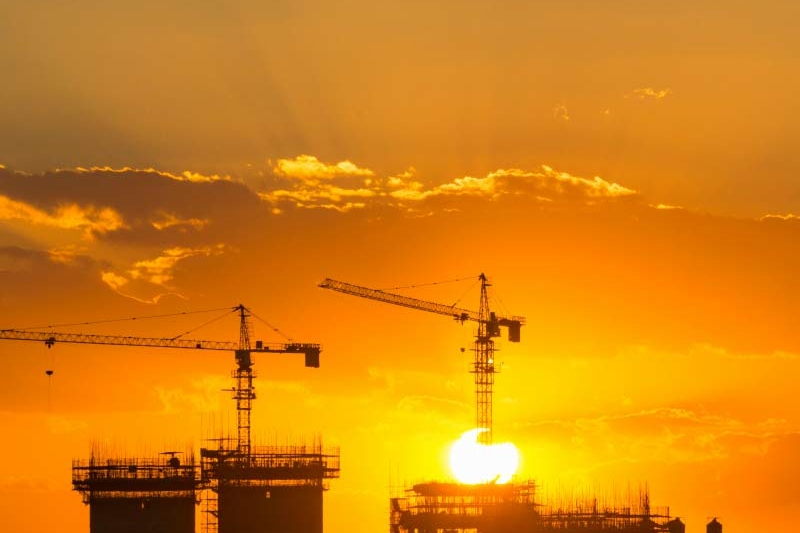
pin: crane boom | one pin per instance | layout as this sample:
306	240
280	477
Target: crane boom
243	392
462	315
51	337
488	327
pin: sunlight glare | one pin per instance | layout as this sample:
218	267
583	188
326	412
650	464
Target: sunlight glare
472	462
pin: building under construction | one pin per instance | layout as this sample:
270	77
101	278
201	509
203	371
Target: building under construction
247	489
279	489
514	508
157	495
273	489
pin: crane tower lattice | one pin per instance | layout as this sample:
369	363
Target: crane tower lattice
489	324
243	391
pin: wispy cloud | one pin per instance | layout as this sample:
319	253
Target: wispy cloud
310	195
201	396
170	220
155	274
159	270
560	112
649	93
669	434
186	175
705	350
89	219
309	167
67	254
788	216
544	185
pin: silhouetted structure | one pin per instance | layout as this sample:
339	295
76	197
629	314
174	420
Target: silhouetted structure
488	328
138	495
714	527
276	489
512	508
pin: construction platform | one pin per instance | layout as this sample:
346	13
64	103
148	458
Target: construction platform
513	508
136	495
273	489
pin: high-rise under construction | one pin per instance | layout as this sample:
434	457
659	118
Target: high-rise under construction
136	495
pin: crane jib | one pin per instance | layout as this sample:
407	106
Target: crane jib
513	323
49	338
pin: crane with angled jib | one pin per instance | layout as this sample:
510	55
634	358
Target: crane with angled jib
489	325
243	391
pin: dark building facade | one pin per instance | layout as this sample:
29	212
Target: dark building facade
271	490
138	495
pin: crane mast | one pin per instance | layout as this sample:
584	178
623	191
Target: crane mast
488	327
484	368
243	391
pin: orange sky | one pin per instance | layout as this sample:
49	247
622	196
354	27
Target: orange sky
626	174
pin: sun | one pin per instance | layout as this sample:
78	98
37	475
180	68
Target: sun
472	462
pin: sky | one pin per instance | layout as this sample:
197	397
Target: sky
625	173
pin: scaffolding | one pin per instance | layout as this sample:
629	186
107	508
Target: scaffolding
273	486
489	508
271	465
162	477
132	495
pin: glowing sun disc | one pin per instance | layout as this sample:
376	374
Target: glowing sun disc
472	462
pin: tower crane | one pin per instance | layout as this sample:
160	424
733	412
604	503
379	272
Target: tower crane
243	391
489	325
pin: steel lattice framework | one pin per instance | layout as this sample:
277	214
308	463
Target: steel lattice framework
488	327
243	375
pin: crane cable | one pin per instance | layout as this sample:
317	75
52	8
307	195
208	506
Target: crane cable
270	326
427	284
123	319
469	289
220	317
496	299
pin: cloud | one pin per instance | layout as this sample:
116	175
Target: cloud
70	216
559	184
341	208
68	254
308	167
154	276
788	216
646	93
311	195
560	112
186	175
169	220
708	350
150	209
467	185
669	434
202	395
545	185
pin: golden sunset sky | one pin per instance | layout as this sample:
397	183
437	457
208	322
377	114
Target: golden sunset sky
626	173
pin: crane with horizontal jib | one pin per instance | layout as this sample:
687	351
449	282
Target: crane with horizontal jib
243	391
489	325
